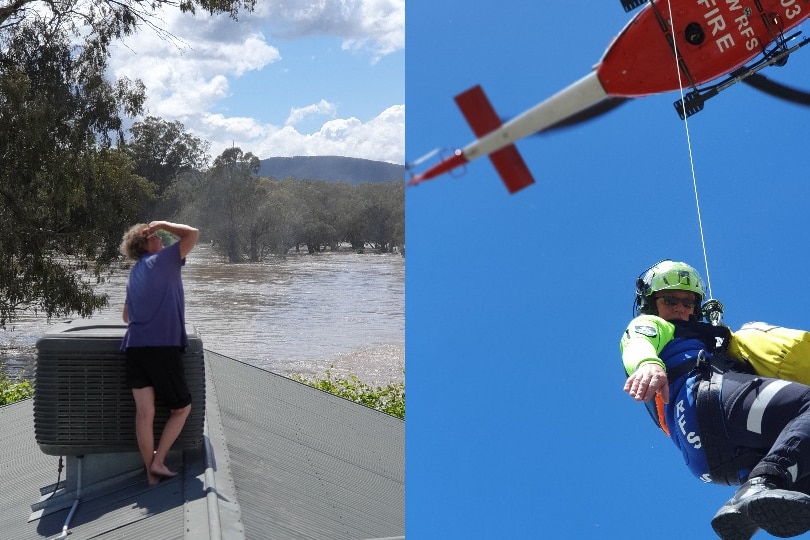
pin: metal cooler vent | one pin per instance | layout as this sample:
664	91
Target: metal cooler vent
82	404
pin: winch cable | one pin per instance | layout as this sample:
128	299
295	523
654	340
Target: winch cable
691	158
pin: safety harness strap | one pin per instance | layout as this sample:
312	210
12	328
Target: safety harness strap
724	460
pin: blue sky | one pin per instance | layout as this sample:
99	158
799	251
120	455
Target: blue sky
292	78
517	424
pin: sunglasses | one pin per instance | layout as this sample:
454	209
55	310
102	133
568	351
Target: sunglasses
688	303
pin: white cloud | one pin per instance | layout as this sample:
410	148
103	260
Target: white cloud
183	78
297	114
377	26
190	78
381	138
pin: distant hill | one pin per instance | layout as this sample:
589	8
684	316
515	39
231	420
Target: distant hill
331	169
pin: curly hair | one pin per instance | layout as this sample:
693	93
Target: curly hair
134	243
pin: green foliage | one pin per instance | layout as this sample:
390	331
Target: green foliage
103	21
390	400
248	217
162	151
11	391
65	196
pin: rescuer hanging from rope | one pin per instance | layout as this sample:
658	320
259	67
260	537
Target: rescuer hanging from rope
732	425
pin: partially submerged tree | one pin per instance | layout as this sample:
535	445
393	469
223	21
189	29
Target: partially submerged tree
231	197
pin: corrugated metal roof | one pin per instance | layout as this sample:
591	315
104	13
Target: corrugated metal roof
280	460
314	466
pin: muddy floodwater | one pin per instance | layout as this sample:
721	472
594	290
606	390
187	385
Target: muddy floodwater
298	313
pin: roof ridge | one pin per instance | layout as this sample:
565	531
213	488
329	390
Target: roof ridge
220	505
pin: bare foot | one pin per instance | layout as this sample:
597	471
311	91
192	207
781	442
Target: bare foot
152	479
161	471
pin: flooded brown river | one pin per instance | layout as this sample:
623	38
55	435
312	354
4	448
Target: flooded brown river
294	314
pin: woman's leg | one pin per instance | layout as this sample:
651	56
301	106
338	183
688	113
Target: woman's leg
144	427
174	425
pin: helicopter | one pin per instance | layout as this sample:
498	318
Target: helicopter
728	41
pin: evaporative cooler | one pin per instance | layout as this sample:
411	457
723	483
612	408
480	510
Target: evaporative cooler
82	404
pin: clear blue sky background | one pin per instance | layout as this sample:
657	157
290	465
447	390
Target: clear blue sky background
517	423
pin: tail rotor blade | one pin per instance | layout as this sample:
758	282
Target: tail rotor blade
483	119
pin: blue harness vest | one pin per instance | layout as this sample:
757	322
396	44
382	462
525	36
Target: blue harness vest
693	341
681	411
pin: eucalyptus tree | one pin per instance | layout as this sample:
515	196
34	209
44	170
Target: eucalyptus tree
284	215
395	206
103	21
319	213
230	201
65	194
166	154
163	150
381	217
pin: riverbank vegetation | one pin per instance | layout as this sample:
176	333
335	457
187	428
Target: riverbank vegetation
389	399
12	391
247	217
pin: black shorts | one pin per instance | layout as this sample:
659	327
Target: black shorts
162	369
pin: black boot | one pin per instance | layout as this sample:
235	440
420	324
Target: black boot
759	503
780	512
732	522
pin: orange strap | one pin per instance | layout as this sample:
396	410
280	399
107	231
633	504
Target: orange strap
659	408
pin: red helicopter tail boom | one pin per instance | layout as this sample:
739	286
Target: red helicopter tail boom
483	119
496	139
446	165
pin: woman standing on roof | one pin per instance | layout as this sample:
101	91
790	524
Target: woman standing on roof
731	425
156	336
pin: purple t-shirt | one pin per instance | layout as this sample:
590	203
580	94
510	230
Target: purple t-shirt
155	301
